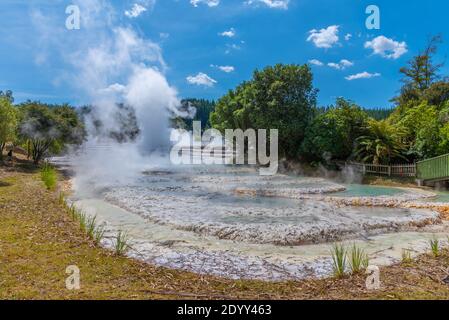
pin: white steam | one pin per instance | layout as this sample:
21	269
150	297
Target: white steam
113	64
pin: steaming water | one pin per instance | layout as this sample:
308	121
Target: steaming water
229	221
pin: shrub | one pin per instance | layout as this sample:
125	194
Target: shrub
49	176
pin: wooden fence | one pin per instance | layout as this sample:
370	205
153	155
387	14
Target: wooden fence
398	170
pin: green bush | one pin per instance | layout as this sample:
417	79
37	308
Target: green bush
49	176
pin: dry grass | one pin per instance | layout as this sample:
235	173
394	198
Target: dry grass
38	240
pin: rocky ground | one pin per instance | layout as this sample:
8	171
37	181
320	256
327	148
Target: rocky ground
38	240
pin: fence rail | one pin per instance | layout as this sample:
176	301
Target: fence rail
401	170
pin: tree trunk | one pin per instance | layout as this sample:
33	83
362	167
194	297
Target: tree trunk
2	146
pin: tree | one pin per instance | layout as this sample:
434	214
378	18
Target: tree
125	128
332	134
382	145
8	95
437	94
278	97
421	71
8	123
232	110
199	109
48	127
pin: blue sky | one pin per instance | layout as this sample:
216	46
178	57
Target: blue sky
210	46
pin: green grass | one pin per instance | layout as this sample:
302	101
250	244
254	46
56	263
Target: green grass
339	257
358	259
98	234
94	231
406	256
435	247
121	243
49	176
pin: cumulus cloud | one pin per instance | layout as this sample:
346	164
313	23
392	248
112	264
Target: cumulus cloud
348	36
135	11
209	3
274	4
342	65
324	38
227	69
316	62
201	79
228	33
387	48
362	75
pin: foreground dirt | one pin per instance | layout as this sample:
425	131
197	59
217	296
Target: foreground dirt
38	240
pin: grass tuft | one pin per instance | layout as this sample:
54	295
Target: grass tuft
359	260
406	256
61	199
121	243
49	176
98	234
435	247
339	256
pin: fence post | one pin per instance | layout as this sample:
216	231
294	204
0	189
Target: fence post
389	171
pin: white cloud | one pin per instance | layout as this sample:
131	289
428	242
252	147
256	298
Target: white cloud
201	79
387	48
232	47
164	35
227	69
209	3
228	33
274	4
348	36
316	62
114	88
324	38
363	75
135	11
342	65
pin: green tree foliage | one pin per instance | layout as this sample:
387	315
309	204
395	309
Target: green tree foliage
421	71
425	130
422	106
420	74
49	128
278	97
8	122
382	145
332	134
126	127
8	95
379	113
201	108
